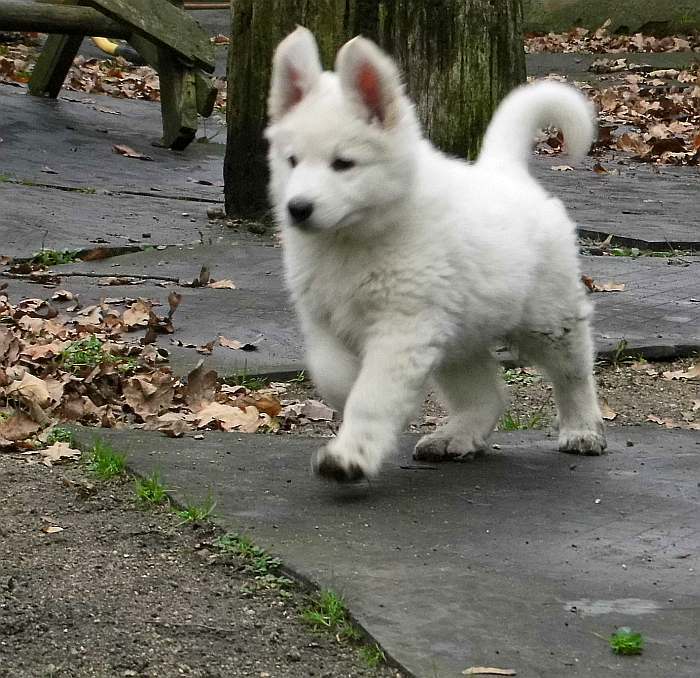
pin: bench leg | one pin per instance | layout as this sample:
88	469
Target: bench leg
53	65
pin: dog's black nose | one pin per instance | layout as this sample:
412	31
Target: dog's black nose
300	210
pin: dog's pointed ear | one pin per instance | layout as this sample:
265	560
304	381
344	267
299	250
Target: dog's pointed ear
370	78
296	68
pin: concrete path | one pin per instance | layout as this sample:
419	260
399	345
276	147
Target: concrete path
522	560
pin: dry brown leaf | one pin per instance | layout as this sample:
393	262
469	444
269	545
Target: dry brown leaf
51	529
206	349
315	410
200	388
172	424
149	396
137	315
606	411
599	169
608	287
229	343
266	404
221	285
58	452
18	427
487	671
30	389
693	372
666	423
229	418
129	152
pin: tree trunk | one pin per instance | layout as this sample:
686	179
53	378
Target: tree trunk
459	57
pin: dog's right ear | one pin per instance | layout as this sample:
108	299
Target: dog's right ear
296	68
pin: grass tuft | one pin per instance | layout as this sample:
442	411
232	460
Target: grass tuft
150	490
252	383
46	257
89	352
627	642
513	422
59	434
104	462
372	655
196	512
328	612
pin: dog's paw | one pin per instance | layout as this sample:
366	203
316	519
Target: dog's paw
331	463
589	443
445	447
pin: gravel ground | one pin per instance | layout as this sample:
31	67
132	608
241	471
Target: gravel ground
123	591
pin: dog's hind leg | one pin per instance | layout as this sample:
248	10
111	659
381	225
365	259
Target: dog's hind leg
566	355
474	395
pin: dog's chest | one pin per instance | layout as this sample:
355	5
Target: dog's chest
346	290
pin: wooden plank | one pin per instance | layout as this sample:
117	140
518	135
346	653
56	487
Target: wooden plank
67	20
164	24
206	94
178	93
53	64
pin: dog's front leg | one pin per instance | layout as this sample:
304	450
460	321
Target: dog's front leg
391	382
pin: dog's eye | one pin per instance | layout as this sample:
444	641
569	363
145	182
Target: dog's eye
292	159
342	164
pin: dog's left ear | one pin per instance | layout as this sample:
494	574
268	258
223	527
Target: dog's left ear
370	78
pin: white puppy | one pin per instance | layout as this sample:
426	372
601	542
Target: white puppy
405	264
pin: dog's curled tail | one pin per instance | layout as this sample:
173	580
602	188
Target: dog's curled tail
527	109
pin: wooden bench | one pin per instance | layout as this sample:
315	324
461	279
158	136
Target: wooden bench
161	31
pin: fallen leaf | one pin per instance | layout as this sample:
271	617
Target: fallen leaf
31	389
206	349
606	411
315	410
230	418
129	152
137	315
693	372
200	388
562	168
221	285
666	423
58	452
487	671
18	427
588	282
152	395
608	287
696	405
51	529
233	344
599	169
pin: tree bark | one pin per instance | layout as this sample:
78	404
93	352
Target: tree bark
459	58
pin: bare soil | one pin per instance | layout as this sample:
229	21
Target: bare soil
123	591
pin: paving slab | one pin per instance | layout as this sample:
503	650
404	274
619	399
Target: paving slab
74	135
642	206
35	217
521	560
658	313
258	311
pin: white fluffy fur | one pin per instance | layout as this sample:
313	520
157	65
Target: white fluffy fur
415	265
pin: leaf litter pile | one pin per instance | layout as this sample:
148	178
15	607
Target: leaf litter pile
645	114
115	76
88	366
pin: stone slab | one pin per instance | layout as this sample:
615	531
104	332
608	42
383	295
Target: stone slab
642	206
74	135
257	311
33	217
521	560
658	313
